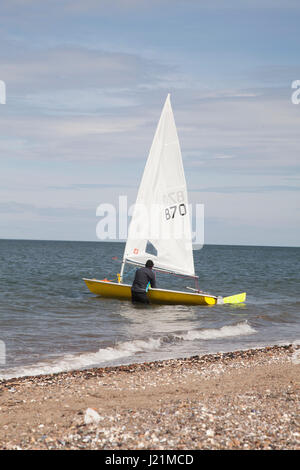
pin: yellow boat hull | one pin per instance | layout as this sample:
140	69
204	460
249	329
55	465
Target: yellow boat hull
160	296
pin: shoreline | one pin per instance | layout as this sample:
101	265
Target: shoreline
245	399
132	366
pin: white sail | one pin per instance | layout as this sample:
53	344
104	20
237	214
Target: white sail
160	226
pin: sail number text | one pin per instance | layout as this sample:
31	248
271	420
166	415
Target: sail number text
172	210
177	199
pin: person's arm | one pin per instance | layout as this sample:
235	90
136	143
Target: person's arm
153	280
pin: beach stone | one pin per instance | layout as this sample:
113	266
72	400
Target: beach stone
91	416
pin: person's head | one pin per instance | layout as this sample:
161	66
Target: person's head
149	264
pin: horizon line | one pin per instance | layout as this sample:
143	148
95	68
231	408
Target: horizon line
119	241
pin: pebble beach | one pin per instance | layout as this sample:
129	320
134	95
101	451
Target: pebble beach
244	400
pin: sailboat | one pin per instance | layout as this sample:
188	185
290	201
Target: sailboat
160	227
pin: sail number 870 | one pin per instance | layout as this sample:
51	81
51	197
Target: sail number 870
171	211
177	199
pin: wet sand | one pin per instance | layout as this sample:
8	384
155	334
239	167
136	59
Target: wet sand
241	400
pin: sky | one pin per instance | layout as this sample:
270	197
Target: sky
85	85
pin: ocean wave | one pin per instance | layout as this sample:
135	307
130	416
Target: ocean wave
124	350
214	333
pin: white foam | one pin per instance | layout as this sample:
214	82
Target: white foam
123	350
223	332
80	361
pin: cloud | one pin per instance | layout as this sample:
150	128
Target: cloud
246	189
13	207
222	157
92	5
275	75
91	186
258	132
69	68
255	135
69	138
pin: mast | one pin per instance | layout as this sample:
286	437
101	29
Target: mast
120	276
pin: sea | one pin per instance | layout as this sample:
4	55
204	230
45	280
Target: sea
50	322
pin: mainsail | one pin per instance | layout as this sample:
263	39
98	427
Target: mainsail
160	227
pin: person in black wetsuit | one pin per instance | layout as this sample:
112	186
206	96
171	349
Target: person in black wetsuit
142	277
